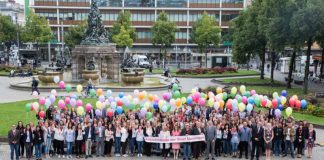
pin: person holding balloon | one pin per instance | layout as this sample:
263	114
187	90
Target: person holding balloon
289	136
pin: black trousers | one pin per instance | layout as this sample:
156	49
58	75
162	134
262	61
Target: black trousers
256	147
21	147
300	146
124	146
218	147
196	149
165	151
244	146
108	146
78	147
147	149
60	147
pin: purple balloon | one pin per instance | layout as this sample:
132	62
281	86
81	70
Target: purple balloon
73	102
277	112
52	98
98	113
102	98
111	99
143	112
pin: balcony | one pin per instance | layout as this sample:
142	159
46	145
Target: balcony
75	4
142	23
181	23
108	23
143	41
44	3
232	5
204	5
181	40
71	22
52	22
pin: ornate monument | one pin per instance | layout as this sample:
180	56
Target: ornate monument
131	73
95	58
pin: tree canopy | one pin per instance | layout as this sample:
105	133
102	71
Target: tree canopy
123	20
36	29
75	34
8	29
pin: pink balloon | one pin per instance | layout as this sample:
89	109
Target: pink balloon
202	101
62	84
67	100
61	104
165	96
197	95
252	92
79	102
88	107
292	102
244	100
42	100
264	102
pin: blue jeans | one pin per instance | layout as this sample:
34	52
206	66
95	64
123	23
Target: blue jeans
132	143
48	145
186	150
289	144
277	147
234	147
14	150
117	145
226	146
38	150
69	148
139	147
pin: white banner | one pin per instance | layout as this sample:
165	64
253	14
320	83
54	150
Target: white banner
175	139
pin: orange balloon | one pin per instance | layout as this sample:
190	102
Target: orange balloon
150	97
99	92
141	96
178	102
221	104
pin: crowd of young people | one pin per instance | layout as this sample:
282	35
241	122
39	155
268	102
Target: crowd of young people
227	133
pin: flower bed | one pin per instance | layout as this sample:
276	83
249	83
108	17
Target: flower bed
216	70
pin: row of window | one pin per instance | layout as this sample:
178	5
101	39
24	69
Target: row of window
148	35
149	3
134	16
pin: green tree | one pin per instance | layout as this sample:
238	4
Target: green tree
75	34
123	20
306	23
123	39
36	30
205	33
320	40
8	29
163	32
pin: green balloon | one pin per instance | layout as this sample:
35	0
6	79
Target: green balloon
224	96
28	107
176	94
148	115
92	92
68	88
239	99
257	101
247	94
175	87
132	106
232	95
169	108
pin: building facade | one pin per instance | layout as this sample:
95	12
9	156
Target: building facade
66	13
12	9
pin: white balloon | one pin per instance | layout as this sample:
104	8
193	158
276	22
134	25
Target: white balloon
56	79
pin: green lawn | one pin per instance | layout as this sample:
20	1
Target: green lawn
254	80
299	116
4	73
269	90
225	74
160	71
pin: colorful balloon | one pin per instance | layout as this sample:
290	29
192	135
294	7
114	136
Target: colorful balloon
241	107
53	92
62	84
274	103
284	93
99	92
219	90
80	111
41	114
79	88
242	89
41	100
61	104
56	79
88	107
303	104
28	107
68	88
288	111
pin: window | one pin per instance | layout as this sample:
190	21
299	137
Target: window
177	17
139	3
171	3
181	35
144	17
144	35
110	3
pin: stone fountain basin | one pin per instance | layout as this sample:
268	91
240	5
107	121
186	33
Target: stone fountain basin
48	76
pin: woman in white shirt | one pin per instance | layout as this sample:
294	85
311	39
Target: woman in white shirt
59	138
78	140
124	135
69	138
148	132
117	140
109	137
139	140
165	133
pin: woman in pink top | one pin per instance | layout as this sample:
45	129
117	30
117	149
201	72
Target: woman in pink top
176	146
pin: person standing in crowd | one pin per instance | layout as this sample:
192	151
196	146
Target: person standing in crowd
35	85
234	140
21	148
187	145
78	140
89	137
123	139
226	139
148	132
210	139
277	140
109	138
139	140
13	138
48	130
117	140
196	145
132	138
176	146
59	140
218	144
268	137
311	138
165	133
289	134
28	140
300	138
100	133
38	142
245	135
257	135
69	138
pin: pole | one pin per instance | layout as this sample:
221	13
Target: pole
62	30
49	52
18	43
176	48
186	60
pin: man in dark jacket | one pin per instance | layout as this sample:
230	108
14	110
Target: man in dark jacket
35	86
186	146
257	135
278	137
89	137
13	138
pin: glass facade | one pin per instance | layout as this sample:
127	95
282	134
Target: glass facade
181	35
139	3
140	16
47	15
195	16
232	3
204	1
229	16
172	3
177	16
109	16
74	1
110	3
144	35
77	16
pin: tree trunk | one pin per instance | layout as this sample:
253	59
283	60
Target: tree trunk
159	56
322	64
248	61
164	54
273	63
262	62
291	68
206	59
309	45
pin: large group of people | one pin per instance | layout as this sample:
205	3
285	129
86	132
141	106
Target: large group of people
64	134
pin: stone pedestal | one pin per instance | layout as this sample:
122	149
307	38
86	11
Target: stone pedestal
47	77
134	76
91	74
106	59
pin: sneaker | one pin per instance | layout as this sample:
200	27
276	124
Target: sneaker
59	156
138	155
117	155
63	156
125	155
71	157
141	155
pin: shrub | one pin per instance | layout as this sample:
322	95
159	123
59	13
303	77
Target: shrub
319	112
216	70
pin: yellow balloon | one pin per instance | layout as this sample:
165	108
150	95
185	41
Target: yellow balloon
241	107
178	102
242	89
193	91
79	88
211	102
99	105
183	100
221	103
161	103
219	90
283	100
288	111
233	90
80	111
295	97
99	92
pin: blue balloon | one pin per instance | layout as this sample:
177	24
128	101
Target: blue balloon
74	96
121	95
119	110
280	107
303	104
155	105
189	100
284	93
249	107
251	100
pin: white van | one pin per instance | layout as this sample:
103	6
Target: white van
141	60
